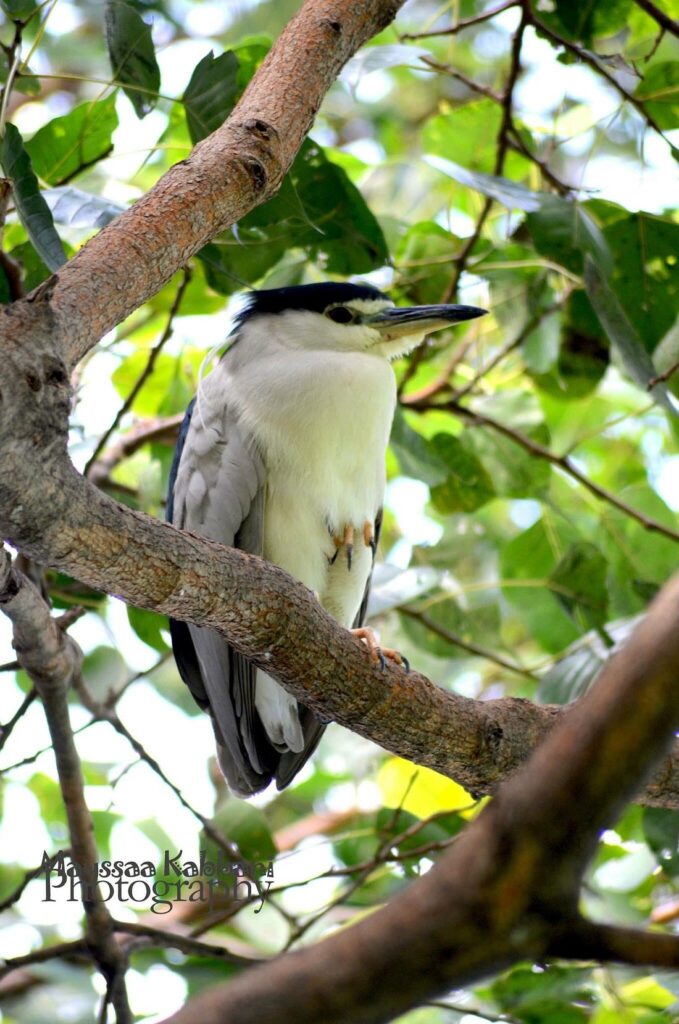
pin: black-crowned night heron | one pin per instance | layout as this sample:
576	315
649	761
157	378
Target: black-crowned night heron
282	454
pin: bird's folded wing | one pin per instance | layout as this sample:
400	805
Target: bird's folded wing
217	490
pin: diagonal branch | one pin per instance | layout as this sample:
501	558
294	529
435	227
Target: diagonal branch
237	167
508	887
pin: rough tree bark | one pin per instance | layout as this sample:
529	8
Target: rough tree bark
508	888
54	515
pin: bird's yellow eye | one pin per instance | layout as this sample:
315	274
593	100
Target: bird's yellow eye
340	314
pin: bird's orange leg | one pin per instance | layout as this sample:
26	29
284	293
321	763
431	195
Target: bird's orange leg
379	655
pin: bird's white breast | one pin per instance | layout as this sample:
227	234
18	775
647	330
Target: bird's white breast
322	420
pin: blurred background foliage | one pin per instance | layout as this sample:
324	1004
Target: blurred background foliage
522	158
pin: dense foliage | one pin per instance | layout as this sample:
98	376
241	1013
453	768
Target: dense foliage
523	162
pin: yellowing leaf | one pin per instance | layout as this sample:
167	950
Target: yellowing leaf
648	993
421	791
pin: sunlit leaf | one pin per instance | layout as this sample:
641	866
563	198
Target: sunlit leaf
420	791
149	627
659	91
73	142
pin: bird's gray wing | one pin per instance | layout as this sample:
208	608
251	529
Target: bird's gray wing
290	763
217	490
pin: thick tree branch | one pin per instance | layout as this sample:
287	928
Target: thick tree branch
237	167
508	888
590	940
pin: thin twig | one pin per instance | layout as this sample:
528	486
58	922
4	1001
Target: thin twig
465	645
144	432
500	154
103	712
590	59
184	943
6	730
463	23
17	893
530	325
663	376
146	373
563	462
59	950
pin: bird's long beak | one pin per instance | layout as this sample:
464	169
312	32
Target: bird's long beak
397	321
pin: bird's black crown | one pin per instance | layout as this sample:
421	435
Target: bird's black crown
314	297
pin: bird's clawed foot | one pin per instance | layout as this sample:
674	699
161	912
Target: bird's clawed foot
379	655
346	540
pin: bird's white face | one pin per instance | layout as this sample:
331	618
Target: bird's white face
373	326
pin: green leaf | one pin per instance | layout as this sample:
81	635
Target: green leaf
583	354
659	91
623	335
640	559
424	241
512	471
480	625
466	135
532	557
565	231
20	10
556	994
579	583
562	229
166	391
210	94
467	485
416	455
589	20
661	830
149	627
52	811
70	143
34	270
645	274
33	211
132	56
318	210
246	826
